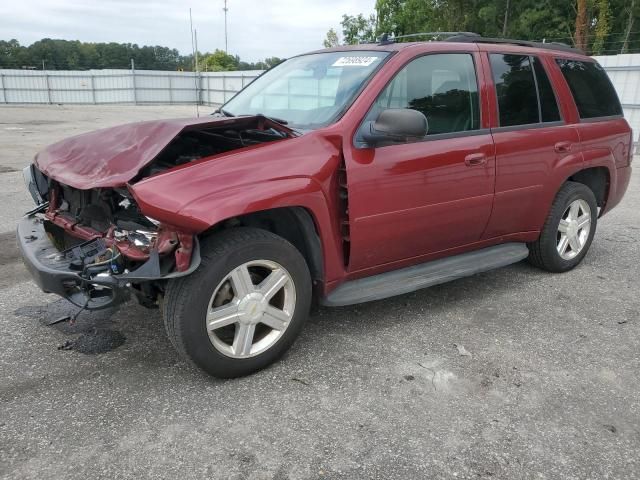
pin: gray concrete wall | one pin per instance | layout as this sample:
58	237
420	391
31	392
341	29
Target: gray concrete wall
120	86
215	88
624	71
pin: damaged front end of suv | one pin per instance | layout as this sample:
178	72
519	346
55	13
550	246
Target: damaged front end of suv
88	240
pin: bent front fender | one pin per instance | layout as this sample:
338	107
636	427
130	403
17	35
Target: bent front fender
202	212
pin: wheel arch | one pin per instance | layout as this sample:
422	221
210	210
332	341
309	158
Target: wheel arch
598	179
597	173
599	166
296	224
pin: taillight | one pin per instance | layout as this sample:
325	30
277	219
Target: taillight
632	147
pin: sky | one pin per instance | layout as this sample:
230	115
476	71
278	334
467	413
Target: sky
257	29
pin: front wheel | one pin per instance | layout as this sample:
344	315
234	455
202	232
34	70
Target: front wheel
243	307
568	231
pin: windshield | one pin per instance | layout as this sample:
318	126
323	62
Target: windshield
309	91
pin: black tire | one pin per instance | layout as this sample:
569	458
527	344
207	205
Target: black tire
187	298
543	253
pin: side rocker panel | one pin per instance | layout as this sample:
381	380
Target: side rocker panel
405	280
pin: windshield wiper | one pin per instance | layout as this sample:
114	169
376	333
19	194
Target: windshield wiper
273	119
223	112
280	121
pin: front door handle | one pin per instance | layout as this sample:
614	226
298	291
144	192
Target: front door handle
563	147
475	159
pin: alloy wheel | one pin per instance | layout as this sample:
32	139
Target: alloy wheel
573	229
250	309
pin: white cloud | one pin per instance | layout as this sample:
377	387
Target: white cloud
257	29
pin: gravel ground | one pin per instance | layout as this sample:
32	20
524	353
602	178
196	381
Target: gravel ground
549	388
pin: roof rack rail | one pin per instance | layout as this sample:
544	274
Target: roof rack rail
474	38
471	37
385	39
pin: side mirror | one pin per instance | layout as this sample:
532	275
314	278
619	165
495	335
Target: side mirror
395	125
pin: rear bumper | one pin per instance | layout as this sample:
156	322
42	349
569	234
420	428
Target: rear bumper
51	272
619	188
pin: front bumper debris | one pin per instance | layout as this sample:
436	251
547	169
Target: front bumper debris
51	270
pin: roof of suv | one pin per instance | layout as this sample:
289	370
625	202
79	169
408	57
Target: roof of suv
463	39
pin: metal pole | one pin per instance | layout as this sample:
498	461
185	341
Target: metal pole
204	90
226	46
194	49
224	88
46	78
133	78
170	90
4	90
195	37
198	80
93	88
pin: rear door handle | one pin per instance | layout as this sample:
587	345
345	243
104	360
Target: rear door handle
563	147
474	159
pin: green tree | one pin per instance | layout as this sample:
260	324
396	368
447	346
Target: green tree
219	61
331	40
12	54
602	26
631	13
358	29
273	61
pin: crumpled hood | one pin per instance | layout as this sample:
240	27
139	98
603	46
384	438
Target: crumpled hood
111	157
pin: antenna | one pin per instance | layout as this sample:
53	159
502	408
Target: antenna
195	34
226	46
194	50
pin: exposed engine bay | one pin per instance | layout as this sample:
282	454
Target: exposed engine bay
196	143
101	233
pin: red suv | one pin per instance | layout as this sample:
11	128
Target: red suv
345	175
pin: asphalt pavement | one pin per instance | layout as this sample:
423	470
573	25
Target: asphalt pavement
511	374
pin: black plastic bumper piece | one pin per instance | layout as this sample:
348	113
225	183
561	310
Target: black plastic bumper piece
50	270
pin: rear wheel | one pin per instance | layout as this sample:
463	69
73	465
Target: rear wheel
243	307
568	231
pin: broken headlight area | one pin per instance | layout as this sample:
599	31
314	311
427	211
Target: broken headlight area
37	184
103	237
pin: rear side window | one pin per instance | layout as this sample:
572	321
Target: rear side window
591	88
516	89
525	95
548	105
441	86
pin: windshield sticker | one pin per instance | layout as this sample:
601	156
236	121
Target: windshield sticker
354	61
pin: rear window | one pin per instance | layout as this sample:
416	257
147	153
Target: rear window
591	88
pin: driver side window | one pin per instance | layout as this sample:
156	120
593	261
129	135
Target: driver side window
441	86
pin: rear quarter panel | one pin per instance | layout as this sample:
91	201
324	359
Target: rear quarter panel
608	143
605	142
